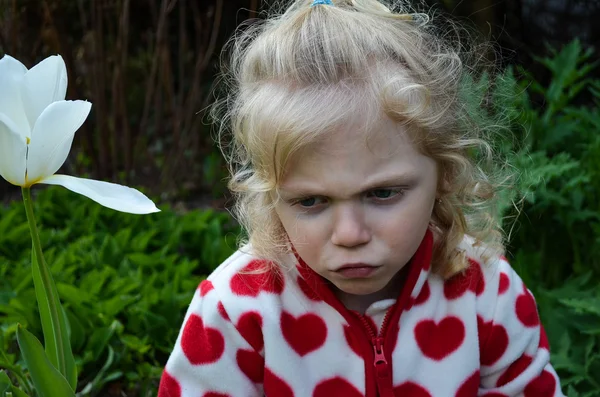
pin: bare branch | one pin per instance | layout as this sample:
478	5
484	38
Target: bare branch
253	9
5	18
151	82
98	88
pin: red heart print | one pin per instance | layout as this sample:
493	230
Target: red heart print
251	364
257	276
223	312
205	287
201	345
410	389
493	341
336	387
250	327
470	279
504	283
169	387
305	333
439	340
544	344
527	310
543	385
214	394
514	370
275	386
470	386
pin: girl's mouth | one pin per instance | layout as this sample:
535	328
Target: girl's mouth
356	270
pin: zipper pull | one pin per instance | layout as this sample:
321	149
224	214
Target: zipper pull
380	361
382	370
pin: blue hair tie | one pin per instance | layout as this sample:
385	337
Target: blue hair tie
323	2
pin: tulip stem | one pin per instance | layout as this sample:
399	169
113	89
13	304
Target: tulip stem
47	284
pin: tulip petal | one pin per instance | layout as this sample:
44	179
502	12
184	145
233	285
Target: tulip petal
13	152
43	84
12	73
113	196
52	137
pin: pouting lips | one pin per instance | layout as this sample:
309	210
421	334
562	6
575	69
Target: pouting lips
356	270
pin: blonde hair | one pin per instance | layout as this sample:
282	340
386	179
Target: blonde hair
296	76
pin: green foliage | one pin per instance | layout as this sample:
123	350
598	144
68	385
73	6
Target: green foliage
559	156
555	242
125	282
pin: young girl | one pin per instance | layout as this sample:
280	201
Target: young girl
374	266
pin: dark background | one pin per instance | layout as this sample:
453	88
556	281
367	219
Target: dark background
149	66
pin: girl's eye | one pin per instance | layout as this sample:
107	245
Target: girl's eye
384	193
308	202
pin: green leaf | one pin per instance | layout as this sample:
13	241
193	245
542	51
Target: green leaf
77	331
143	259
140	242
101	378
6	386
572	392
50	329
133	342
7	222
101	337
5	383
46	378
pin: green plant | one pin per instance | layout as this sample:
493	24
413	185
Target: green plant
125	282
555	243
37	128
561	167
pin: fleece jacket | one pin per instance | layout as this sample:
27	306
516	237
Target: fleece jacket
284	333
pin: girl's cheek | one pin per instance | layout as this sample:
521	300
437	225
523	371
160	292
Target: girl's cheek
401	220
305	230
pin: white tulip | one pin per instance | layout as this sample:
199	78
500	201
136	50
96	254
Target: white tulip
37	127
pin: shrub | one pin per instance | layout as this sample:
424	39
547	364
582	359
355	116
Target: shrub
125	281
555	242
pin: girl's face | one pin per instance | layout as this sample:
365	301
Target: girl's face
355	210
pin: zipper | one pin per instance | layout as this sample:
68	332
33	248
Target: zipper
382	368
383	377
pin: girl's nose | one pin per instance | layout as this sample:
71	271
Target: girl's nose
349	226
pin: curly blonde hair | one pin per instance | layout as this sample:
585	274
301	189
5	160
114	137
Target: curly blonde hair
295	77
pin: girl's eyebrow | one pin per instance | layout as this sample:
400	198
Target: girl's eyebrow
300	190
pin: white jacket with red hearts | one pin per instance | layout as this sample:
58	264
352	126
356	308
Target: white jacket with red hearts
281	334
